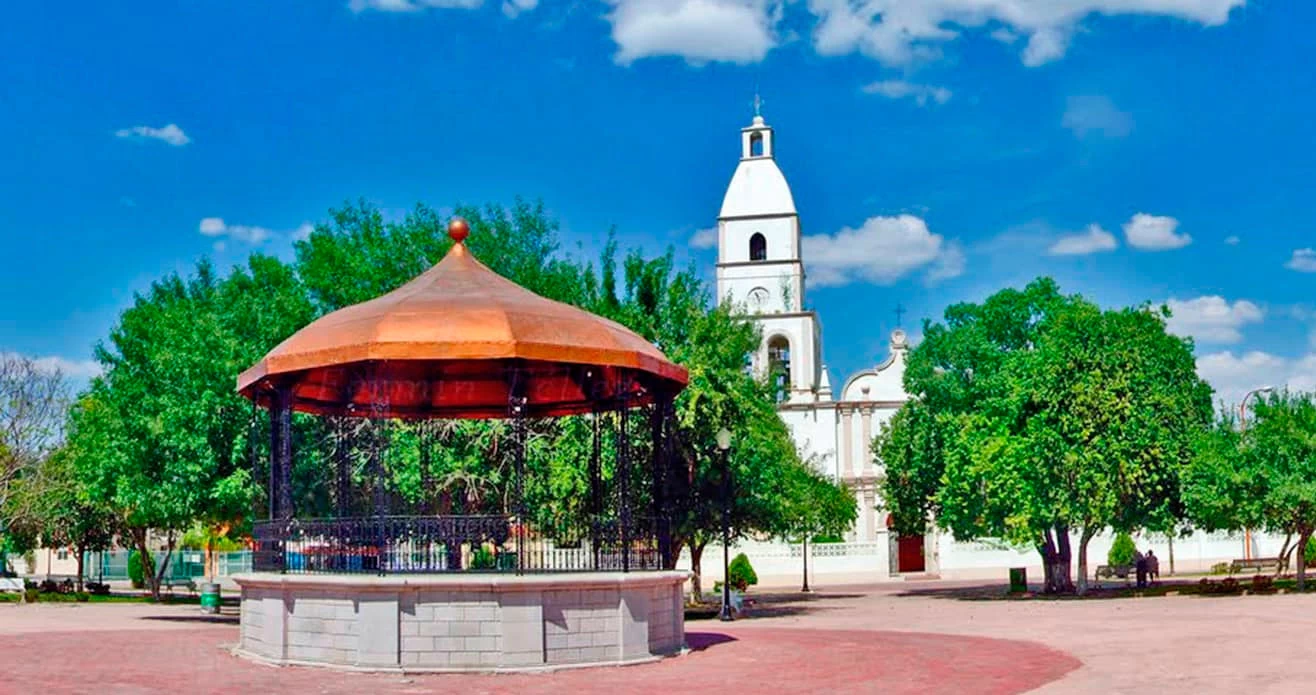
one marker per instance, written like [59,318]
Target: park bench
[1114,571]
[11,584]
[1258,564]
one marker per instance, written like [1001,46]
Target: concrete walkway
[930,637]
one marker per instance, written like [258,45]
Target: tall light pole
[1242,427]
[724,446]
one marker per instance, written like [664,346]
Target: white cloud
[881,251]
[700,31]
[704,238]
[1094,240]
[1085,115]
[170,134]
[900,89]
[900,31]
[1234,375]
[411,5]
[1154,233]
[512,8]
[1232,240]
[1303,261]
[1211,319]
[223,233]
[71,369]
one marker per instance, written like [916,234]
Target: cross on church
[758,104]
[900,311]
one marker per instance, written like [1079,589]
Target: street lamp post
[1242,427]
[724,446]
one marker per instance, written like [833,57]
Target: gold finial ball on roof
[458,230]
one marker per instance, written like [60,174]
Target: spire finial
[458,229]
[758,104]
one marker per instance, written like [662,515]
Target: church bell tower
[760,270]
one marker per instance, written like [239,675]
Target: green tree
[1263,477]
[1041,415]
[1122,551]
[813,505]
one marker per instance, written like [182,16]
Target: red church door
[909,554]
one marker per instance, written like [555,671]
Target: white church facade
[761,268]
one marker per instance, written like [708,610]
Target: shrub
[1121,551]
[1220,568]
[1262,584]
[136,574]
[741,574]
[482,559]
[1310,551]
[1229,585]
[98,588]
[31,595]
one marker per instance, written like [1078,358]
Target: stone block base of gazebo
[465,622]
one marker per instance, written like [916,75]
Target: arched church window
[758,247]
[756,145]
[779,367]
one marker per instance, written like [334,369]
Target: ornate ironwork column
[516,411]
[343,466]
[281,453]
[661,422]
[624,474]
[596,488]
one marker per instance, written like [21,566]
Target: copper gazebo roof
[456,341]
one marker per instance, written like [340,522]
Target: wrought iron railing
[438,544]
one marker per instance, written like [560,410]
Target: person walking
[1140,565]
[1153,566]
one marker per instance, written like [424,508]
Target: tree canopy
[1039,414]
[1261,477]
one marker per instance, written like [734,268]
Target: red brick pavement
[724,658]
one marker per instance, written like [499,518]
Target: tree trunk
[210,559]
[163,569]
[139,539]
[81,554]
[1170,537]
[1302,559]
[1283,563]
[1055,561]
[696,579]
[1083,560]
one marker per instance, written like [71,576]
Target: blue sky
[1136,150]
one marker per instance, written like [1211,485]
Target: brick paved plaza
[894,639]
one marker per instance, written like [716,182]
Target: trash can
[1018,580]
[210,598]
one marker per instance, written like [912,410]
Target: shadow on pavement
[699,641]
[213,619]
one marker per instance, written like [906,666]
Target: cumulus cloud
[700,31]
[216,227]
[72,369]
[1086,115]
[170,134]
[881,251]
[922,94]
[1094,240]
[411,5]
[1154,233]
[900,31]
[1232,375]
[1303,261]
[704,238]
[1232,240]
[512,8]
[1212,319]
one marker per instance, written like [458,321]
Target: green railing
[184,565]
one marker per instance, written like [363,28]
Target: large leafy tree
[163,433]
[1040,416]
[33,402]
[1261,477]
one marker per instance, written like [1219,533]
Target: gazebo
[383,584]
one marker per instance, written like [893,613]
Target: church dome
[758,188]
